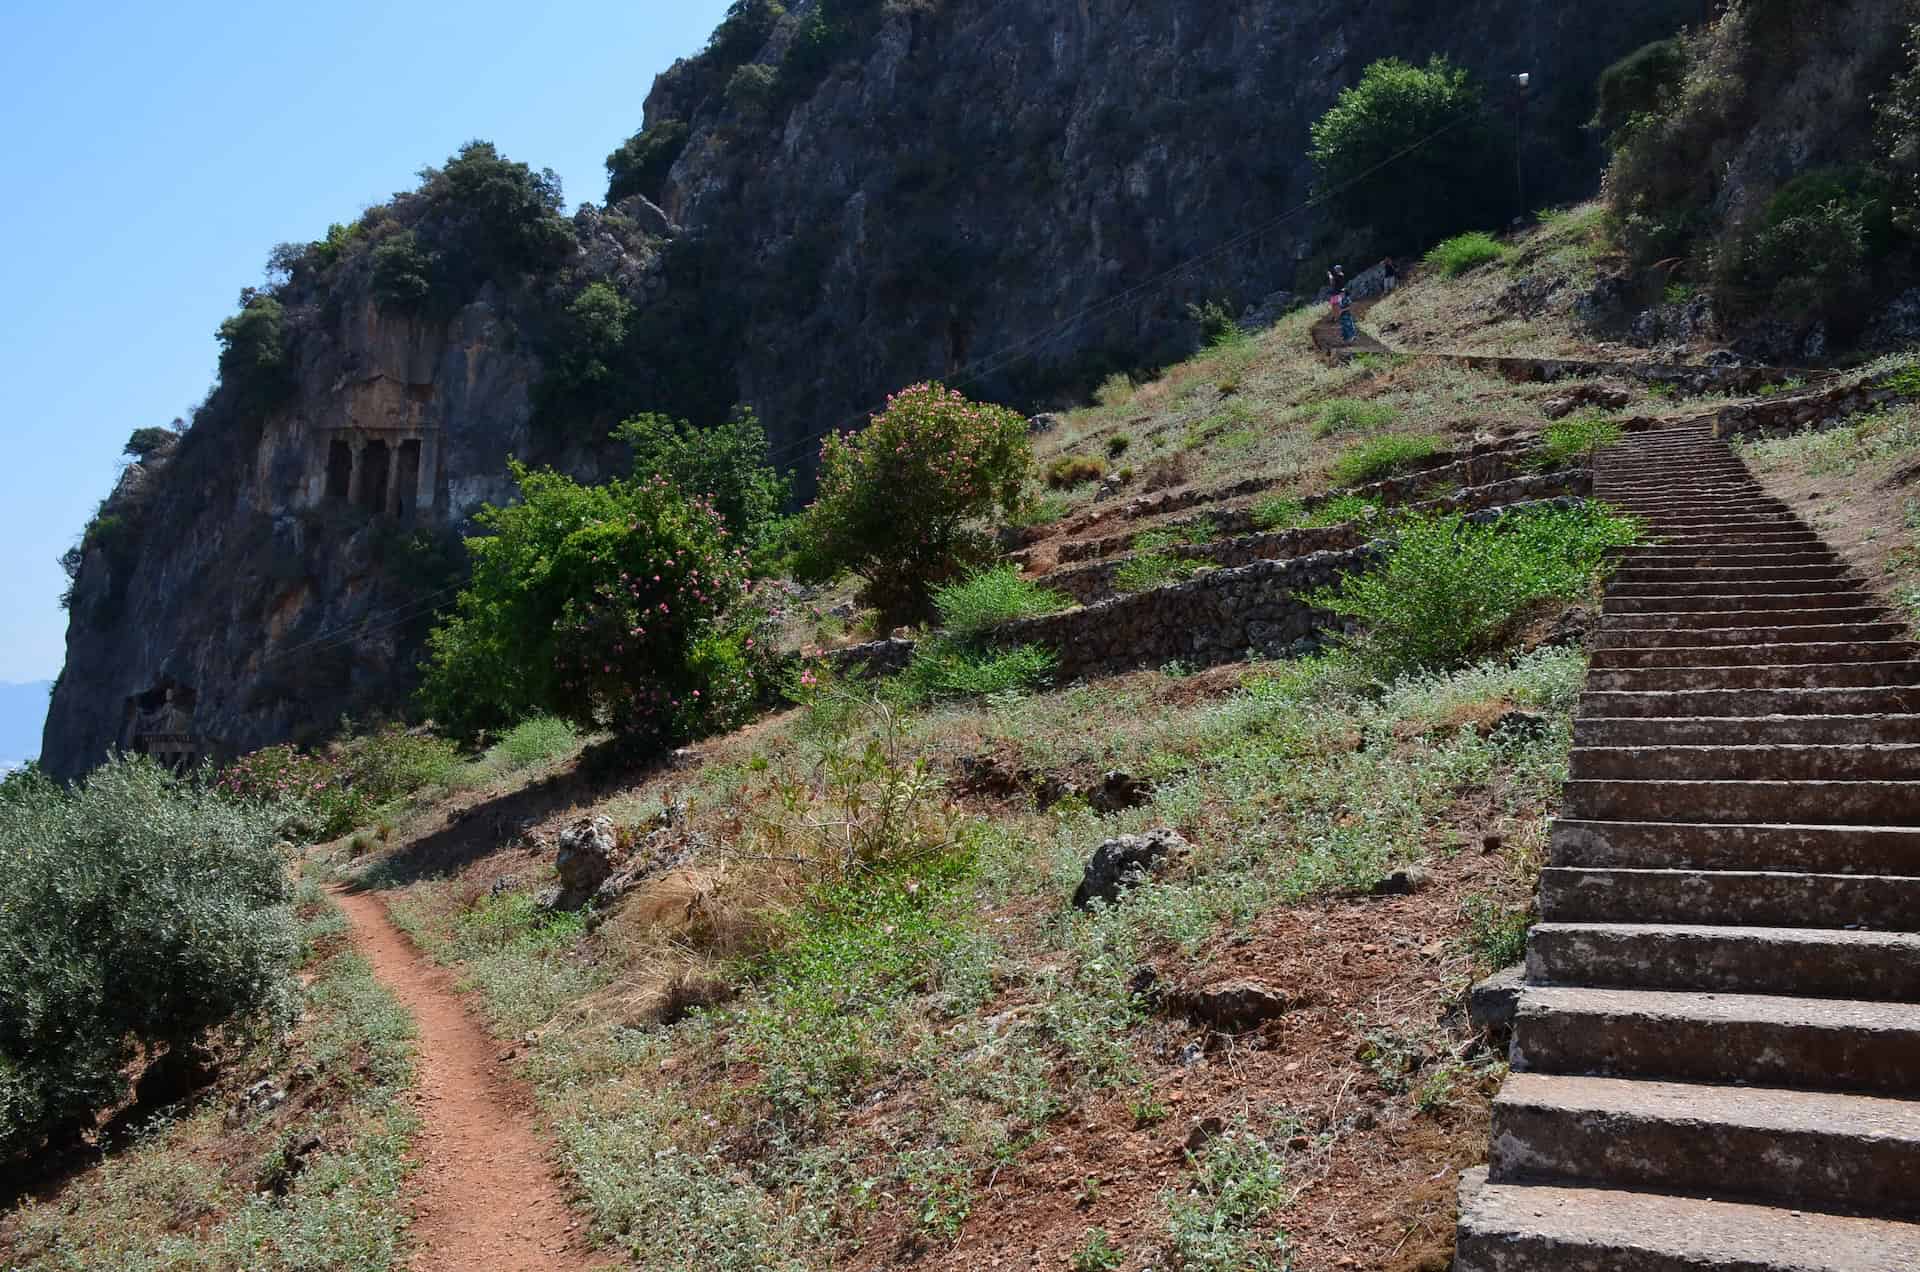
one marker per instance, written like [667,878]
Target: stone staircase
[1716,1052]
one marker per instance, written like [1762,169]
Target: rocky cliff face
[985,178]
[974,189]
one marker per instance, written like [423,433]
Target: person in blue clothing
[1347,329]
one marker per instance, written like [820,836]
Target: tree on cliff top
[1408,184]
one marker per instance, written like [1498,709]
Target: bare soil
[485,1194]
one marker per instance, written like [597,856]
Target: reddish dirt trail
[484,1195]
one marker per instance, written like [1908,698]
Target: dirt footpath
[484,1195]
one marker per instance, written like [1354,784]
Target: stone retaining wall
[1775,417]
[1092,584]
[1687,379]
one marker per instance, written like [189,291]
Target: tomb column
[356,485]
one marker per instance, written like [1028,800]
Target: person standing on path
[1336,280]
[1391,273]
[1347,328]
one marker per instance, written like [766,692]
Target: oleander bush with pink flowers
[906,503]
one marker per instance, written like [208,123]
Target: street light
[1522,84]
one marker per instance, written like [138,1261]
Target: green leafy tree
[1645,81]
[1897,134]
[402,273]
[620,606]
[148,442]
[726,465]
[1416,144]
[255,363]
[901,501]
[641,164]
[137,913]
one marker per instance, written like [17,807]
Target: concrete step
[1856,675]
[1755,654]
[1726,761]
[1833,803]
[1800,962]
[1810,1150]
[1869,850]
[1516,1228]
[1773,541]
[1741,898]
[1666,556]
[1613,637]
[1852,598]
[1815,1044]
[1727,620]
[1815,731]
[1839,583]
[1901,700]
[1700,504]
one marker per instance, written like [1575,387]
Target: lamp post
[1522,84]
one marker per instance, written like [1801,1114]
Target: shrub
[641,164]
[1118,445]
[1352,415]
[1806,264]
[148,442]
[727,465]
[321,800]
[1382,457]
[1897,135]
[393,761]
[588,602]
[943,670]
[255,367]
[1201,531]
[751,89]
[1069,471]
[900,503]
[1451,590]
[992,597]
[1576,437]
[1116,390]
[136,912]
[1462,252]
[1645,81]
[1218,327]
[1377,144]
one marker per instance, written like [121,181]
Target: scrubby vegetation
[1455,256]
[902,501]
[1451,590]
[140,917]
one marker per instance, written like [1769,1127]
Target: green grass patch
[1352,415]
[531,743]
[943,670]
[1451,590]
[1382,457]
[1198,532]
[1455,256]
[991,597]
[1577,437]
[1149,570]
[1070,471]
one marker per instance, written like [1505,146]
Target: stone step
[1817,1044]
[1833,583]
[1852,598]
[1834,803]
[1772,575]
[1754,654]
[1861,675]
[1780,730]
[1662,556]
[1772,541]
[1649,508]
[1800,962]
[1516,1228]
[1625,638]
[1744,523]
[1742,898]
[1727,620]
[1869,850]
[1811,1150]
[1720,762]
[1718,703]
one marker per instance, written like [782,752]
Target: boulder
[1231,1006]
[588,852]
[1403,882]
[1122,863]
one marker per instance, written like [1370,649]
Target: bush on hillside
[1407,183]
[317,791]
[726,464]
[1383,457]
[138,913]
[1069,471]
[1450,590]
[1455,256]
[1897,138]
[641,164]
[991,597]
[255,366]
[1576,438]
[145,443]
[1646,80]
[402,273]
[621,606]
[900,503]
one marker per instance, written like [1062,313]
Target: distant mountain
[23,712]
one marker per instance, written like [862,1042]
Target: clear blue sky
[153,153]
